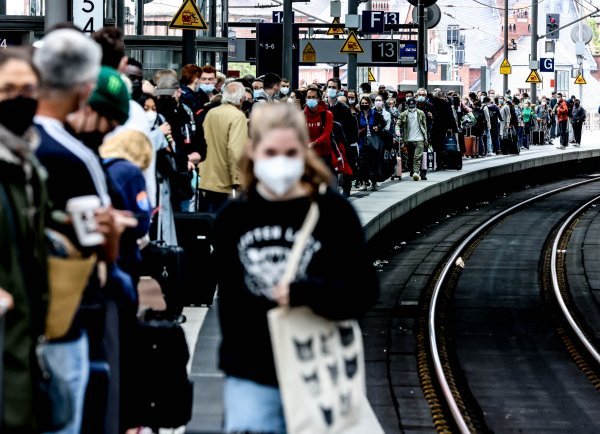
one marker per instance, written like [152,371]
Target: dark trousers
[563,127]
[495,133]
[577,127]
[352,156]
[214,200]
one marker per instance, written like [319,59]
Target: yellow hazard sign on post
[352,45]
[309,55]
[188,17]
[370,77]
[505,68]
[580,79]
[534,77]
[335,31]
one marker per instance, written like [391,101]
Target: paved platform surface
[376,210]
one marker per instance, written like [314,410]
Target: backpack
[468,121]
[339,161]
[494,118]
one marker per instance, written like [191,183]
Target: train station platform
[377,211]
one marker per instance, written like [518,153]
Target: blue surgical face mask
[257,93]
[312,103]
[340,93]
[332,93]
[421,99]
[207,88]
[284,90]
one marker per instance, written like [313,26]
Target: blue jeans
[252,407]
[70,361]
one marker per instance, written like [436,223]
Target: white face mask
[379,105]
[279,174]
[284,90]
[151,116]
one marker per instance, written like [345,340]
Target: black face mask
[17,114]
[364,107]
[246,106]
[136,89]
[92,139]
[166,104]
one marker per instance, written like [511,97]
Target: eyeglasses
[10,91]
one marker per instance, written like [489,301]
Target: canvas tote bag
[319,363]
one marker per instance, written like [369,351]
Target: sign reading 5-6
[88,15]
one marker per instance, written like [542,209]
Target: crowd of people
[96,157]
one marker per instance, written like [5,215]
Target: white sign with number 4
[88,15]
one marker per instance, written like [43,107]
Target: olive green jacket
[22,273]
[402,125]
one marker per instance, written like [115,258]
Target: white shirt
[414,131]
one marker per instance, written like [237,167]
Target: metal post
[505,76]
[139,17]
[580,63]
[534,44]
[188,47]
[421,61]
[2,7]
[120,12]
[224,34]
[288,40]
[352,59]
[212,30]
[58,13]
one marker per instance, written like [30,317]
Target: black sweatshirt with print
[252,239]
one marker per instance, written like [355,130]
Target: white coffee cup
[82,210]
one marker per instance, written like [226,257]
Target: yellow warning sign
[309,55]
[534,77]
[352,45]
[580,79]
[188,17]
[371,77]
[505,67]
[335,31]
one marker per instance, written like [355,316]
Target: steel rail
[555,285]
[450,263]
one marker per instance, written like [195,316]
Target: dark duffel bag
[199,281]
[164,393]
[452,160]
[164,263]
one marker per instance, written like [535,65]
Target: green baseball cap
[110,98]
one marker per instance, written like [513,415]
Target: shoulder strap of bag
[310,221]
[8,211]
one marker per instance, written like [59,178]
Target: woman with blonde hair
[253,236]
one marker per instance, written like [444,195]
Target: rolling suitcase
[164,393]
[471,145]
[537,137]
[193,235]
[453,160]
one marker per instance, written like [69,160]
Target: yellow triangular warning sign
[580,79]
[352,45]
[505,64]
[309,55]
[371,77]
[534,77]
[188,17]
[336,31]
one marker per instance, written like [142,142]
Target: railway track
[446,382]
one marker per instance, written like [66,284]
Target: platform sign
[384,51]
[335,31]
[534,77]
[373,21]
[547,64]
[278,17]
[309,55]
[188,17]
[352,45]
[505,67]
[370,77]
[88,15]
[580,79]
[408,52]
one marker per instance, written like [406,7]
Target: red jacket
[562,111]
[320,134]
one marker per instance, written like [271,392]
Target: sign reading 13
[88,15]
[384,51]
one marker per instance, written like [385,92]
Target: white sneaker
[363,187]
[491,153]
[416,177]
[561,147]
[577,144]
